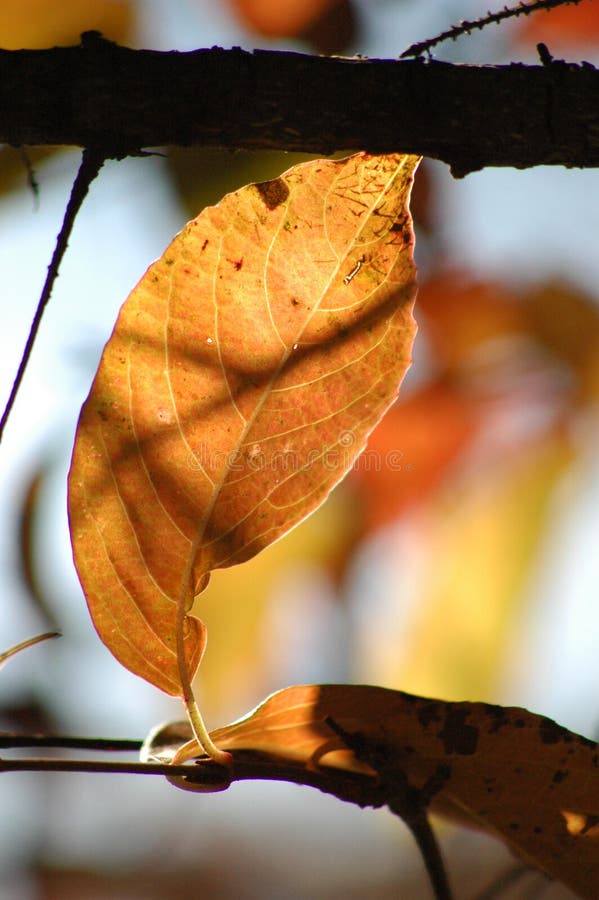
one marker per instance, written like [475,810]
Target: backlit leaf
[243,377]
[517,775]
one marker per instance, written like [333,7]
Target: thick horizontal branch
[120,100]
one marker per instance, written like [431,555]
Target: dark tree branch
[118,101]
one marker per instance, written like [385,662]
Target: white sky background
[500,223]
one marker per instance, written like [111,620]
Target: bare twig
[91,163]
[90,766]
[359,789]
[456,31]
[7,654]
[13,741]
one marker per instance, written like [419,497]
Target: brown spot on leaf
[429,712]
[497,715]
[273,192]
[457,736]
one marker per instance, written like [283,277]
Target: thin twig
[351,787]
[91,163]
[347,786]
[466,27]
[11,741]
[91,766]
[30,642]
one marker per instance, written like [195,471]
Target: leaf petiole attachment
[202,737]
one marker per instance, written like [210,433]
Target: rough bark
[121,100]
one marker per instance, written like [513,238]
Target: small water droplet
[209,340]
[295,347]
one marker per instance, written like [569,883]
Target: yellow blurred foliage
[481,535]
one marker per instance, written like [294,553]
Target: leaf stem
[91,163]
[198,726]
[222,757]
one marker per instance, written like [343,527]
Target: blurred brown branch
[118,101]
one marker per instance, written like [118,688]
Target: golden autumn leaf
[518,775]
[243,377]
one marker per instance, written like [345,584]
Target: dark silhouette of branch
[91,163]
[101,95]
[108,745]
